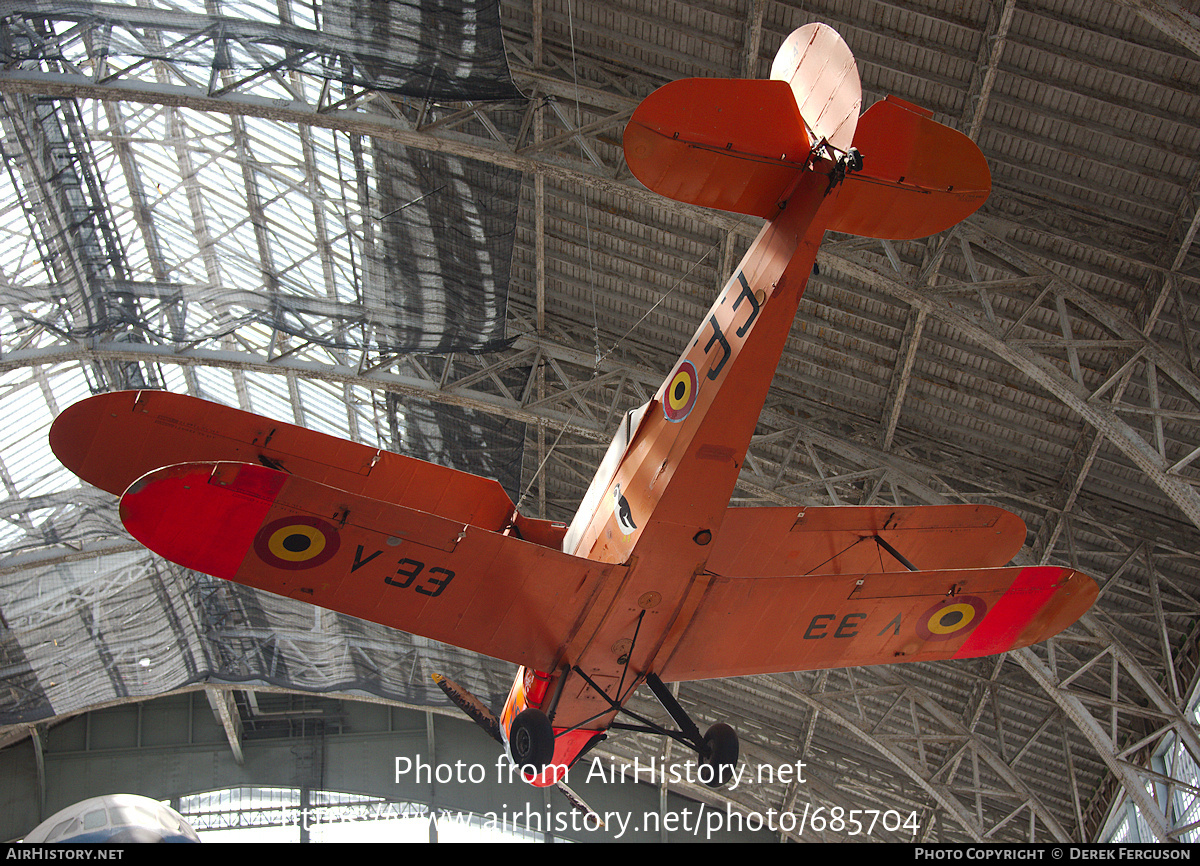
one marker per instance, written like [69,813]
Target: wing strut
[717,748]
[690,737]
[612,704]
[899,557]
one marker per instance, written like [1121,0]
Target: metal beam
[900,760]
[226,711]
[1075,709]
[1043,372]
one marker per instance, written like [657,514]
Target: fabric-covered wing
[763,625]
[777,542]
[111,440]
[730,144]
[400,567]
[919,177]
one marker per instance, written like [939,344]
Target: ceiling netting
[178,230]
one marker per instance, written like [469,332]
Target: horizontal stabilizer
[740,145]
[403,568]
[918,178]
[728,144]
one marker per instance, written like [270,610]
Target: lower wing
[781,542]
[755,625]
[428,575]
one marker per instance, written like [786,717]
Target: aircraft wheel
[719,752]
[531,740]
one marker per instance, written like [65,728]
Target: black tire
[531,741]
[719,754]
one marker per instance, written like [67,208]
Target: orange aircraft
[657,579]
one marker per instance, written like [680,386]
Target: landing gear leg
[717,749]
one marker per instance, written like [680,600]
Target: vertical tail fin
[823,76]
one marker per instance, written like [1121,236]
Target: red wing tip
[1043,602]
[74,430]
[202,516]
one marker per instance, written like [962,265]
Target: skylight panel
[324,407]
[269,396]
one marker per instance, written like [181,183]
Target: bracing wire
[679,282]
[587,223]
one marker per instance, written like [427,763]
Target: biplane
[657,579]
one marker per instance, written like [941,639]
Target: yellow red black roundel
[950,617]
[296,542]
[681,392]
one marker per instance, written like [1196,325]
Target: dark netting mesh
[133,626]
[459,236]
[417,249]
[437,49]
[459,53]
[437,255]
[23,698]
[460,438]
[414,248]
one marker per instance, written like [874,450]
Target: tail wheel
[531,740]
[718,753]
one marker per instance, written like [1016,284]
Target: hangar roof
[411,224]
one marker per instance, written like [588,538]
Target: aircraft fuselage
[663,504]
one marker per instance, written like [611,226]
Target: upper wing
[776,542]
[401,567]
[111,440]
[762,625]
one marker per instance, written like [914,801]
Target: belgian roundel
[950,617]
[681,392]
[296,542]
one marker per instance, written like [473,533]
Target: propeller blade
[578,804]
[470,705]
